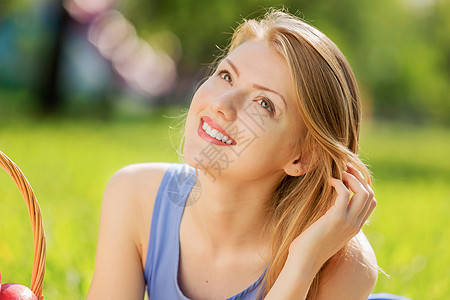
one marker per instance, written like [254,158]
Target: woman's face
[243,120]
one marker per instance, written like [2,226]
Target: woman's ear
[303,162]
[297,167]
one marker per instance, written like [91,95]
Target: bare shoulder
[352,275]
[124,226]
[134,187]
[133,190]
[138,180]
[137,184]
[140,173]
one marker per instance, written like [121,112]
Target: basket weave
[37,276]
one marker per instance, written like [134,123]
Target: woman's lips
[213,133]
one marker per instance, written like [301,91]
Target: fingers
[373,204]
[361,179]
[362,203]
[359,200]
[370,202]
[357,174]
[343,194]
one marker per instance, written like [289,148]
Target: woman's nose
[226,105]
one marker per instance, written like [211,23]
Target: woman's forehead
[260,62]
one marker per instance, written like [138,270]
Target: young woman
[273,196]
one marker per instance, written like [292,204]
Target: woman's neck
[230,215]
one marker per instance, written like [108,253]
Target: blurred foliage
[400,50]
[9,6]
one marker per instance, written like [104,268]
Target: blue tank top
[161,266]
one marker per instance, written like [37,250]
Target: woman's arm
[125,221]
[326,237]
[118,269]
[351,275]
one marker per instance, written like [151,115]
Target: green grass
[410,227]
[69,162]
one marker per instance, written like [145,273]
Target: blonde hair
[330,107]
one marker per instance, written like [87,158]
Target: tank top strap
[163,248]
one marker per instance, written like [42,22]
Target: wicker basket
[37,276]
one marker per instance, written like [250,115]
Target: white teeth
[215,133]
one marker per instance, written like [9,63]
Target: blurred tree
[48,87]
[40,48]
[12,6]
[398,49]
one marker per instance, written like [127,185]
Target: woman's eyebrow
[233,66]
[260,87]
[256,86]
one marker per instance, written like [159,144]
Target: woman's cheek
[204,94]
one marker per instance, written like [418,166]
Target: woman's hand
[325,237]
[339,224]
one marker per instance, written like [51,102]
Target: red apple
[14,291]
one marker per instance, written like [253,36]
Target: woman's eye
[266,104]
[225,75]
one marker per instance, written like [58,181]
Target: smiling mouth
[214,131]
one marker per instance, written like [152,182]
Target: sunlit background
[89,86]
